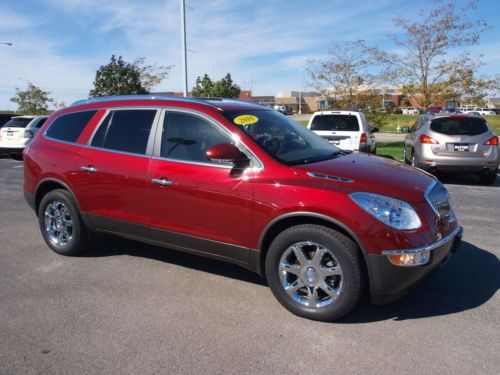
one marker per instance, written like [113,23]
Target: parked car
[347,130]
[410,111]
[482,111]
[435,109]
[283,108]
[16,133]
[240,183]
[461,143]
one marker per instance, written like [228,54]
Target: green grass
[392,150]
[391,122]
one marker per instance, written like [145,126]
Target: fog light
[411,259]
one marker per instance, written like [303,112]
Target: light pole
[213,69]
[300,91]
[184,50]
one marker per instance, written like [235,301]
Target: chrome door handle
[89,169]
[161,181]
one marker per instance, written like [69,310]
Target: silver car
[460,143]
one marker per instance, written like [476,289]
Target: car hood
[370,173]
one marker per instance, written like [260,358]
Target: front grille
[438,197]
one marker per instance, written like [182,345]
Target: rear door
[112,176]
[341,130]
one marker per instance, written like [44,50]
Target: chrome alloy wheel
[58,223]
[310,274]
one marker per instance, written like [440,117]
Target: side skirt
[242,256]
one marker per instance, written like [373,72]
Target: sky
[264,44]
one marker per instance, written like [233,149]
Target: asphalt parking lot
[126,307]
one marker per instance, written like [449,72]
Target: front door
[197,205]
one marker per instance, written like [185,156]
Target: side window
[69,127]
[125,130]
[40,123]
[187,137]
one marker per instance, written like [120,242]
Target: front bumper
[389,282]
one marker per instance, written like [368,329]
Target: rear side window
[335,122]
[125,130]
[459,126]
[69,127]
[17,123]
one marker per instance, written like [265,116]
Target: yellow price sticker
[246,120]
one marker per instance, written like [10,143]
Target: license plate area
[335,140]
[461,147]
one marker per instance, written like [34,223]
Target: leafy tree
[117,78]
[151,75]
[32,101]
[341,75]
[424,64]
[224,88]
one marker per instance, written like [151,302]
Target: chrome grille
[439,199]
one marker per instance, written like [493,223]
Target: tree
[425,65]
[225,88]
[151,75]
[117,78]
[343,73]
[32,101]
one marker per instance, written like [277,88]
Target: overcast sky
[59,44]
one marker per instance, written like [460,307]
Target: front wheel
[315,272]
[60,223]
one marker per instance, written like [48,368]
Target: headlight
[393,212]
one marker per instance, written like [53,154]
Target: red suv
[240,183]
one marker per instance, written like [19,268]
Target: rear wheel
[60,223]
[314,272]
[488,178]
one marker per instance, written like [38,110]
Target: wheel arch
[47,185]
[280,223]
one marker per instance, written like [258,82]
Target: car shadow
[108,245]
[468,280]
[464,179]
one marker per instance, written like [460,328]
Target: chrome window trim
[158,136]
[455,232]
[106,113]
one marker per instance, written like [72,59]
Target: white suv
[348,130]
[16,133]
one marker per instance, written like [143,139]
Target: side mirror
[226,153]
[405,129]
[375,130]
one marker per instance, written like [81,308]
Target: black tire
[79,239]
[405,158]
[488,178]
[346,255]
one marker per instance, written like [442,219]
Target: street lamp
[184,50]
[213,69]
[7,43]
[300,91]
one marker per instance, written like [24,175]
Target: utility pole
[300,91]
[184,49]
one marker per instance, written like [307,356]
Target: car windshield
[335,122]
[283,139]
[21,122]
[459,126]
